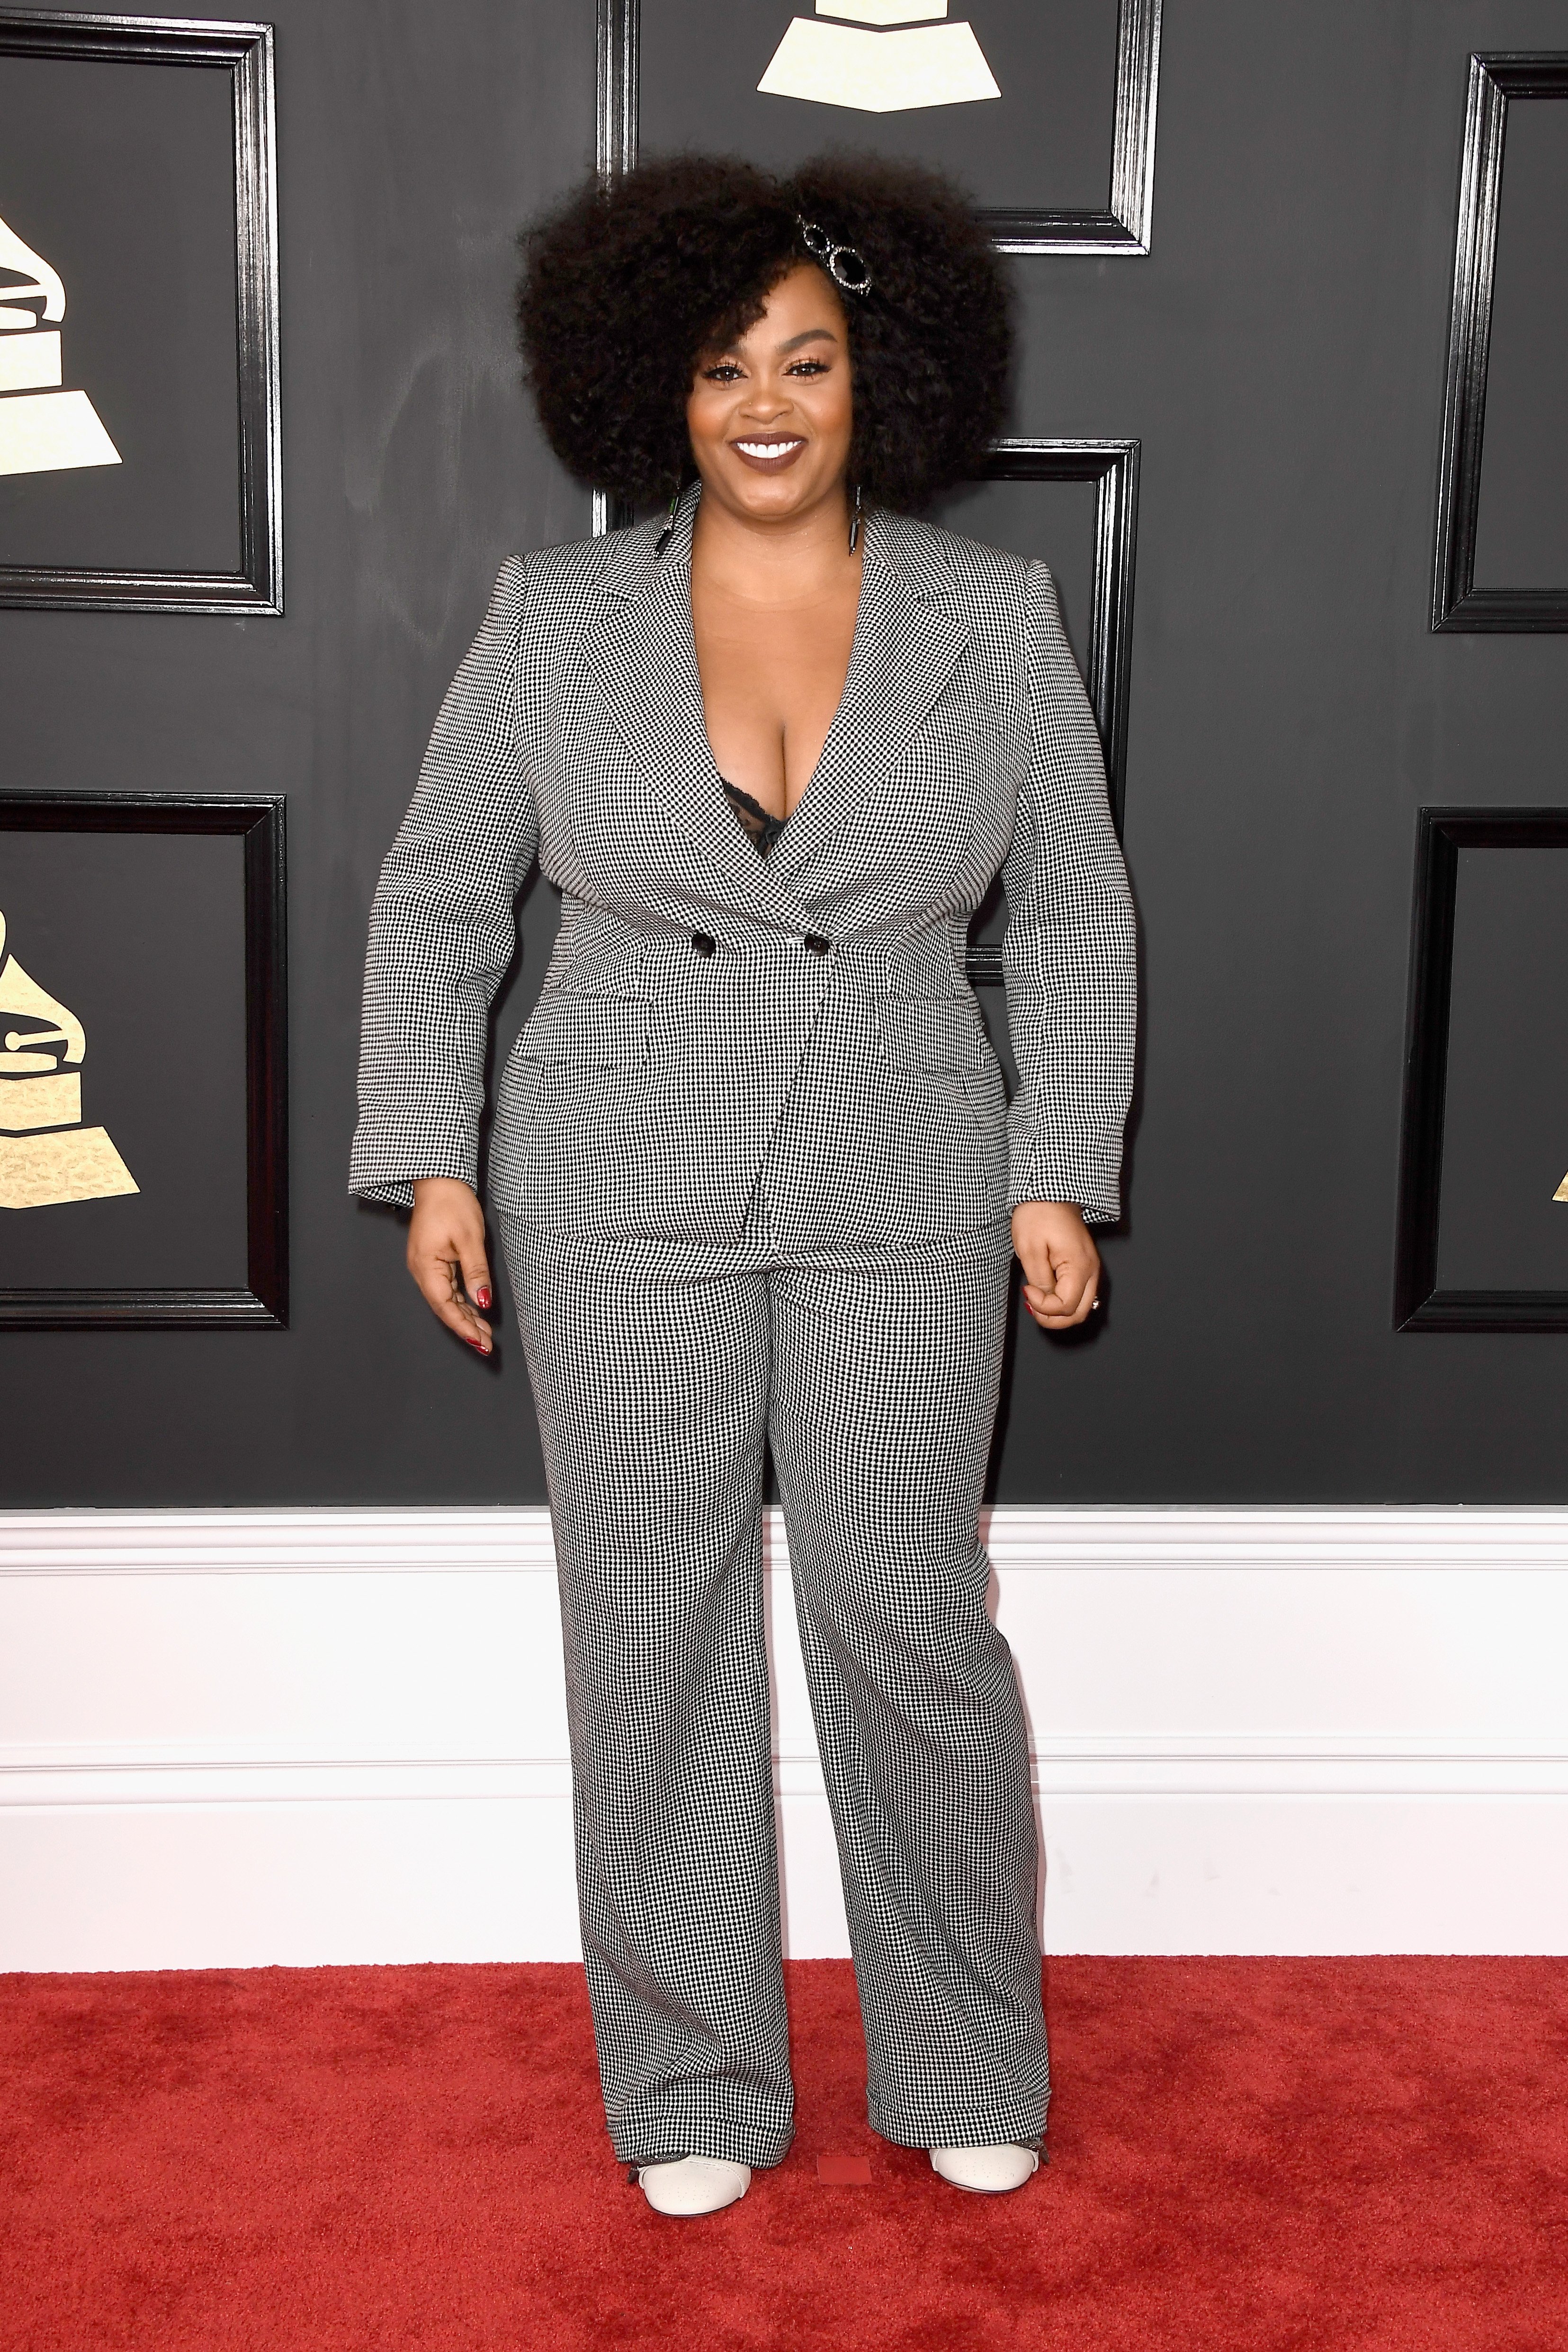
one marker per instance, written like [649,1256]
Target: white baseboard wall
[236,1739]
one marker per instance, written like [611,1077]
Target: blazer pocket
[940,1034]
[598,965]
[591,1032]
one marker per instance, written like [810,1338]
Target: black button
[703,944]
[818,945]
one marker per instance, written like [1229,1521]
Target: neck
[769,561]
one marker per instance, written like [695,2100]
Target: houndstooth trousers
[660,1371]
[772,1070]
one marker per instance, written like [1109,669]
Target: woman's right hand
[447,1257]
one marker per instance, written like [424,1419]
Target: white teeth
[767,448]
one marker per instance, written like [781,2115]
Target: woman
[751,1163]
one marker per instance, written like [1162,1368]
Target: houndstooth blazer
[708,1015]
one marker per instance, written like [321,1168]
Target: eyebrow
[812,335]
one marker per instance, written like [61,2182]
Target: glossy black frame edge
[259,820]
[1418,1304]
[1112,466]
[246,49]
[1124,228]
[1495,77]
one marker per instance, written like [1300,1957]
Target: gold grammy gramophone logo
[43,429]
[890,57]
[46,1155]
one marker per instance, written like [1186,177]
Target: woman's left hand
[1061,1263]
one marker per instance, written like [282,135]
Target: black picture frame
[247,52]
[1113,467]
[1125,227]
[263,1303]
[1496,79]
[1418,1304]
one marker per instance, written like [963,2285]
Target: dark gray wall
[1280,355]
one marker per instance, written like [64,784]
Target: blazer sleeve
[1070,950]
[444,926]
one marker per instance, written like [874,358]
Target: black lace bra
[763,828]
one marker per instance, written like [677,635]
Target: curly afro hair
[628,284]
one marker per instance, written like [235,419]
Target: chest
[772,679]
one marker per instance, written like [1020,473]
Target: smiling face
[771,416]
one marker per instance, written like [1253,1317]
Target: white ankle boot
[693,2184]
[990,2171]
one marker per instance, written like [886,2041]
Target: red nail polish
[481,1296]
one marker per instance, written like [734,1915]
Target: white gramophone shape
[42,430]
[46,1155]
[910,59]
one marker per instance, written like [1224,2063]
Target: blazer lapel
[642,656]
[906,646]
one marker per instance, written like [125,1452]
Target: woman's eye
[726,373]
[808,367]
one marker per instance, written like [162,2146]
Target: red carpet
[1248,2155]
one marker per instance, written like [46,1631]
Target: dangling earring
[855,522]
[664,539]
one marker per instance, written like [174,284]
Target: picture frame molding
[262,1302]
[1496,79]
[1112,466]
[1418,1304]
[246,51]
[1124,228]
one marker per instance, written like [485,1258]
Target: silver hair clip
[844,264]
